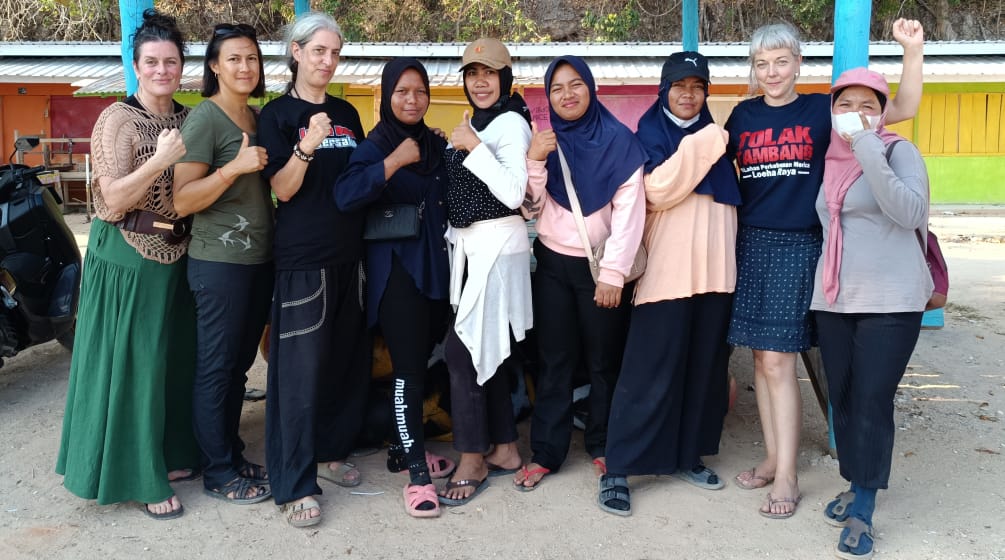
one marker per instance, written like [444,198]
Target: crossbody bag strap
[577,212]
[917,232]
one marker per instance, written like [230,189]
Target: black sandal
[614,495]
[243,490]
[254,473]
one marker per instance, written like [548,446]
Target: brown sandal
[753,480]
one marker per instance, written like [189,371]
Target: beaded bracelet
[299,154]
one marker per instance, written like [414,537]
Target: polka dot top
[469,200]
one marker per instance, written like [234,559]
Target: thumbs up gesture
[249,158]
[464,137]
[542,143]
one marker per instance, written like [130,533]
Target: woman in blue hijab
[581,323]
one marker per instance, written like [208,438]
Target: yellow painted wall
[445,109]
[961,124]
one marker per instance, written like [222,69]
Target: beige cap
[487,51]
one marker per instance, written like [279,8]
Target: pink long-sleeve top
[690,238]
[621,223]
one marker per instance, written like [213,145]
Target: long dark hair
[222,32]
[157,27]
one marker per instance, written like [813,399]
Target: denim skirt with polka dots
[774,286]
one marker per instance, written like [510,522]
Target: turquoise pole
[851,50]
[131,15]
[301,6]
[851,35]
[689,25]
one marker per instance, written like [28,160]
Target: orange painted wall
[28,115]
[25,108]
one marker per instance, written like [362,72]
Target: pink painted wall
[627,103]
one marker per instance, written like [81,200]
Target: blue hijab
[661,136]
[602,153]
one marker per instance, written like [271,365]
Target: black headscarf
[481,118]
[661,137]
[391,132]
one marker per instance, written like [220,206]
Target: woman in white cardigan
[490,268]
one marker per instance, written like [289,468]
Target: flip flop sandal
[614,489]
[771,501]
[478,485]
[526,476]
[193,474]
[415,495]
[291,510]
[340,475]
[753,480]
[496,470]
[600,465]
[837,511]
[243,491]
[853,537]
[173,514]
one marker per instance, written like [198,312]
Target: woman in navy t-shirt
[779,140]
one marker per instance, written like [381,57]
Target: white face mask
[850,123]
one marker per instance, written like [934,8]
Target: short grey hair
[301,31]
[771,37]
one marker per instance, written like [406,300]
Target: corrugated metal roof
[57,70]
[612,64]
[607,71]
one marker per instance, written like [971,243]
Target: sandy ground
[946,500]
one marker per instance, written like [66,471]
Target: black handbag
[392,221]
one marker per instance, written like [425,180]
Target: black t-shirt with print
[310,229]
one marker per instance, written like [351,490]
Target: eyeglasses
[238,29]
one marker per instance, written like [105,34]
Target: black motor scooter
[39,264]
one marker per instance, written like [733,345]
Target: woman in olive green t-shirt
[230,256]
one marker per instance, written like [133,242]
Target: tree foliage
[510,20]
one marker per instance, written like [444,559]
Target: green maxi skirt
[128,414]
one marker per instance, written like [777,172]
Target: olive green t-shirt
[237,228]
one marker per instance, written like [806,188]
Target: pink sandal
[434,463]
[415,495]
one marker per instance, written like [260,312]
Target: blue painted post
[131,15]
[689,25]
[851,50]
[851,35]
[301,7]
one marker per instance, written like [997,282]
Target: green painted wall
[967,179]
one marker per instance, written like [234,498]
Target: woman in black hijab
[401,163]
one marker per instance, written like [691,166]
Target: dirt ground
[946,497]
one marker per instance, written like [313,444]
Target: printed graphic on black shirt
[338,137]
[771,153]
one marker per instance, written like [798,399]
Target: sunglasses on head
[241,29]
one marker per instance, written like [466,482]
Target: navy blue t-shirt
[780,152]
[310,229]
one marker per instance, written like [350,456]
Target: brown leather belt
[144,221]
